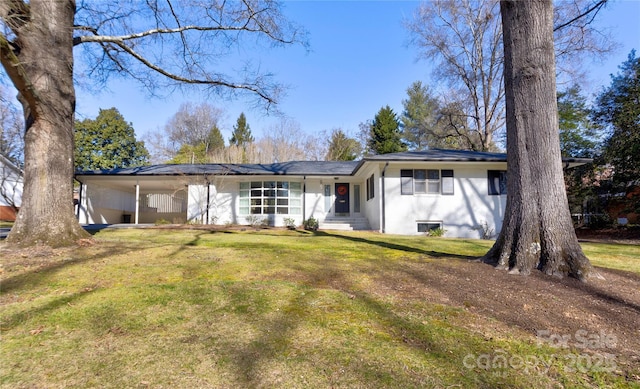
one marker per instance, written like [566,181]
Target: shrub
[486,232]
[436,232]
[290,223]
[311,224]
[253,220]
[161,222]
[600,221]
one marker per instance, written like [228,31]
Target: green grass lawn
[271,308]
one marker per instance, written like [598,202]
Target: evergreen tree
[420,118]
[385,134]
[108,142]
[618,112]
[241,132]
[214,141]
[342,147]
[578,137]
[190,154]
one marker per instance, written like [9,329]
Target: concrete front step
[345,224]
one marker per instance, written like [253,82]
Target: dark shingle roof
[301,168]
[310,168]
[440,155]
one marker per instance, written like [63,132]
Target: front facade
[402,193]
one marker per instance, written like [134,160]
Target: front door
[342,199]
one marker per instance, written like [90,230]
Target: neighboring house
[402,193]
[11,184]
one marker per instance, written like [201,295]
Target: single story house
[11,185]
[400,193]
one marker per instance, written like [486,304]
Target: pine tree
[385,134]
[578,137]
[420,118]
[214,140]
[241,132]
[618,111]
[342,147]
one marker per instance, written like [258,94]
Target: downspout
[304,197]
[208,199]
[382,199]
[79,199]
[136,219]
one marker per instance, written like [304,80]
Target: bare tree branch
[595,9]
[178,30]
[183,42]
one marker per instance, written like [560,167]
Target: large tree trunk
[537,231]
[43,76]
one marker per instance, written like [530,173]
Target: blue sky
[359,62]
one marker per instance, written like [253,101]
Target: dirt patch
[600,316]
[614,235]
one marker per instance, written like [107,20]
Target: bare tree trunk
[537,231]
[47,94]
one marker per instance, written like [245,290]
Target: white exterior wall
[224,204]
[460,213]
[371,209]
[197,203]
[314,200]
[103,205]
[225,208]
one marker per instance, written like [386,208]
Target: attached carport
[131,199]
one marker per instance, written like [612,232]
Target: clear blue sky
[358,63]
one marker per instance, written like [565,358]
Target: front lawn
[276,308]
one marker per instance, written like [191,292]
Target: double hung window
[426,181]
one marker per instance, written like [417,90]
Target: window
[406,182]
[356,198]
[426,181]
[327,198]
[428,226]
[270,198]
[447,182]
[370,188]
[433,181]
[497,180]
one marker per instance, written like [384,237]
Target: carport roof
[299,168]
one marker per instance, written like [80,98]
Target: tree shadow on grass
[20,317]
[276,335]
[44,269]
[395,246]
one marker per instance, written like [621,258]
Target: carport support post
[137,201]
